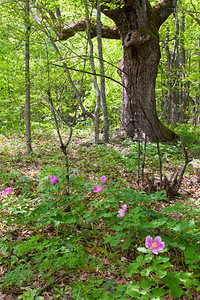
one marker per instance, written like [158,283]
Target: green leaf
[113,240]
[143,249]
[145,283]
[133,290]
[148,258]
[126,244]
[133,268]
[158,292]
[143,297]
[161,273]
[147,271]
[161,259]
[139,259]
[186,278]
[174,286]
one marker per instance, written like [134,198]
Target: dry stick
[160,162]
[174,175]
[173,184]
[144,156]
[187,160]
[138,166]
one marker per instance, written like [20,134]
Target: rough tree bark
[137,25]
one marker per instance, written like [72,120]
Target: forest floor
[59,246]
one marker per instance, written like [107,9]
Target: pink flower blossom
[53,179]
[77,116]
[98,189]
[128,152]
[7,191]
[103,179]
[155,245]
[122,211]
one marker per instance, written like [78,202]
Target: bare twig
[143,159]
[160,162]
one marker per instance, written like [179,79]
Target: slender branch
[144,156]
[187,160]
[91,73]
[193,16]
[160,162]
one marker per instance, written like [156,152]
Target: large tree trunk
[138,26]
[139,71]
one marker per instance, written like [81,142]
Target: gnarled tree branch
[164,9]
[109,32]
[64,32]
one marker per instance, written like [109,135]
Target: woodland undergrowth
[90,243]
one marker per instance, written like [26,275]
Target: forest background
[64,239]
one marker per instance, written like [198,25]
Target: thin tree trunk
[167,111]
[27,77]
[175,63]
[198,101]
[184,86]
[101,67]
[97,91]
[197,106]
[171,106]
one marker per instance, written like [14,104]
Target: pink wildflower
[98,189]
[7,191]
[122,211]
[53,179]
[77,116]
[155,245]
[128,152]
[103,179]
